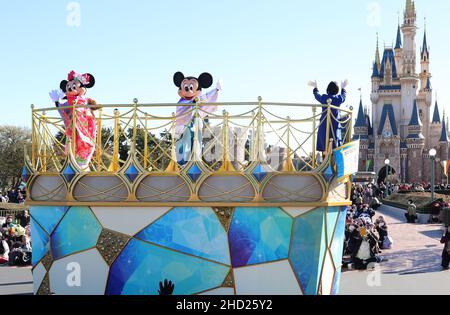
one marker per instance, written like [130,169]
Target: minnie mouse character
[337,101]
[73,90]
[190,88]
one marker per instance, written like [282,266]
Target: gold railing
[229,140]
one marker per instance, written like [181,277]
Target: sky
[257,47]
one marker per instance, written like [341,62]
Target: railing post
[99,150]
[115,160]
[196,146]
[44,138]
[288,165]
[145,142]
[33,138]
[259,132]
[314,135]
[226,163]
[133,142]
[74,127]
[349,126]
[328,125]
[252,145]
[173,164]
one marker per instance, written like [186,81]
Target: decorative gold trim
[110,244]
[187,204]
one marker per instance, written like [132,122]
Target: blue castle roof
[415,120]
[361,119]
[444,135]
[425,46]
[388,55]
[428,87]
[436,115]
[375,72]
[398,43]
[388,113]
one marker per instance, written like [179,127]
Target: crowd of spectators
[15,241]
[366,234]
[13,196]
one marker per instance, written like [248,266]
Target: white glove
[313,84]
[56,95]
[219,85]
[344,84]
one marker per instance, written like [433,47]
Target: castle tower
[415,144]
[376,70]
[403,128]
[399,51]
[408,77]
[425,92]
[443,152]
[435,127]
[361,132]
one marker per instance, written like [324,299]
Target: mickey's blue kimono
[334,131]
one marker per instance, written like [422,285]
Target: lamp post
[388,169]
[432,154]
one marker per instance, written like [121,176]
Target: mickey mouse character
[74,91]
[336,100]
[190,88]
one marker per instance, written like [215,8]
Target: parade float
[253,209]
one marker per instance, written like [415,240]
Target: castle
[401,128]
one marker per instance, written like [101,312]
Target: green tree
[13,141]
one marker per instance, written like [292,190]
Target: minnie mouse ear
[205,80]
[91,81]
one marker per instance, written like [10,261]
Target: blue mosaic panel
[131,173]
[78,230]
[194,173]
[328,174]
[196,231]
[336,283]
[25,174]
[337,245]
[332,216]
[141,266]
[47,217]
[69,173]
[308,249]
[40,242]
[259,173]
[259,235]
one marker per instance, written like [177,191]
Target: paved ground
[413,266]
[15,280]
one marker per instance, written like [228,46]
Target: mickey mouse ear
[206,80]
[178,77]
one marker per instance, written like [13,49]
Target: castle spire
[444,135]
[361,119]
[410,13]
[377,54]
[425,51]
[415,119]
[410,8]
[436,115]
[398,42]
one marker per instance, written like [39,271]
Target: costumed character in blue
[190,88]
[336,100]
